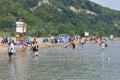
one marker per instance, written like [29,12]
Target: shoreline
[20,49]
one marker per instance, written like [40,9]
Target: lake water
[88,63]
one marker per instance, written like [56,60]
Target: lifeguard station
[21,29]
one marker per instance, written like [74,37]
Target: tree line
[57,17]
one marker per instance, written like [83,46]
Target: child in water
[103,45]
[35,50]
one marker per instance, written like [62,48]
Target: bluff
[53,17]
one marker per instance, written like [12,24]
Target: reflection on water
[12,71]
[88,63]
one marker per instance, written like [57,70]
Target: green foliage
[56,17]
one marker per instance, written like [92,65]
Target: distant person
[6,40]
[65,45]
[73,45]
[82,43]
[35,50]
[103,45]
[2,42]
[34,41]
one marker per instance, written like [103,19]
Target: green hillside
[53,17]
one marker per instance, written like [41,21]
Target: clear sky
[113,4]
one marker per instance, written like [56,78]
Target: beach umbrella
[64,35]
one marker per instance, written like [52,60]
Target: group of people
[81,41]
[32,46]
[5,40]
[69,43]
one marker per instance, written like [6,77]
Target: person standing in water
[10,50]
[103,45]
[73,45]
